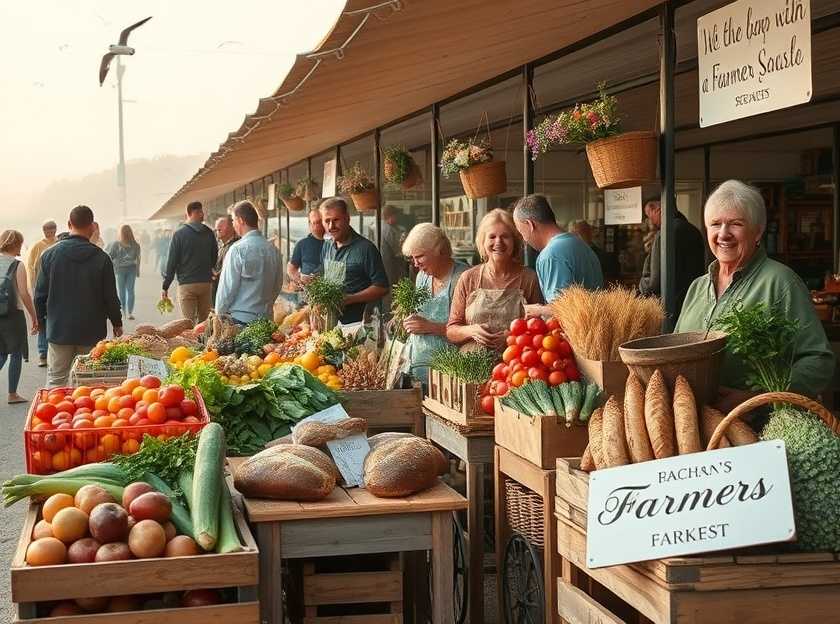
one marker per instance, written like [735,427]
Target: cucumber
[228,541]
[185,483]
[208,482]
[180,516]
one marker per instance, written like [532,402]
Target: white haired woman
[735,218]
[431,253]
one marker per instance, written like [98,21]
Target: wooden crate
[610,376]
[81,373]
[455,400]
[32,585]
[748,586]
[539,439]
[387,410]
[369,594]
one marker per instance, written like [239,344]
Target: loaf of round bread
[287,472]
[314,433]
[403,466]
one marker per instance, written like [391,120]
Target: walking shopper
[306,256]
[227,237]
[192,256]
[365,279]
[75,296]
[125,254]
[250,280]
[33,265]
[564,258]
[14,298]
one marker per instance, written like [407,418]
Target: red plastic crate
[92,444]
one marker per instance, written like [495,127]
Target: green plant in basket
[356,180]
[285,190]
[397,164]
[472,367]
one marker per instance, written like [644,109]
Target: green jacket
[764,280]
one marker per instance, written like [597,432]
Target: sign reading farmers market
[715,500]
[753,56]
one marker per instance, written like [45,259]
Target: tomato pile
[83,425]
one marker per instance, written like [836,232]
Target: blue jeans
[125,288]
[15,365]
[42,341]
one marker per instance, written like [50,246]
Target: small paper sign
[332,414]
[349,455]
[623,206]
[139,366]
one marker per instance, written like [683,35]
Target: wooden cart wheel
[461,585]
[523,598]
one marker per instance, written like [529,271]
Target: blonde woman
[491,295]
[125,254]
[14,298]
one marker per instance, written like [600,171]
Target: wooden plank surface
[539,439]
[443,602]
[372,618]
[575,607]
[523,471]
[352,588]
[759,606]
[386,410]
[472,447]
[241,613]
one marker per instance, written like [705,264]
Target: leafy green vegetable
[325,293]
[117,355]
[764,337]
[165,459]
[471,367]
[406,299]
[165,306]
[207,379]
[254,336]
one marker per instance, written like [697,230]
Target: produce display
[574,401]
[68,427]
[537,350]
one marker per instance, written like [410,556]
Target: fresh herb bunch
[325,294]
[764,338]
[471,367]
[406,299]
[165,306]
[285,190]
[398,163]
[459,155]
[165,459]
[254,336]
[356,180]
[117,354]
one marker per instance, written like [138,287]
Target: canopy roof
[379,65]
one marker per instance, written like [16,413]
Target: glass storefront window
[360,151]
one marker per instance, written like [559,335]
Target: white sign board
[623,206]
[702,502]
[348,453]
[753,56]
[139,366]
[272,196]
[328,187]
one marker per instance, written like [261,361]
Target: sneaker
[42,361]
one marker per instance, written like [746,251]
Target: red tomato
[125,413]
[510,353]
[500,372]
[171,396]
[140,404]
[191,419]
[174,413]
[488,404]
[555,378]
[536,325]
[500,388]
[552,324]
[156,413]
[190,407]
[82,410]
[537,341]
[548,358]
[550,343]
[572,373]
[97,413]
[516,367]
[559,365]
[518,378]
[564,349]
[530,358]
[83,401]
[65,406]
[523,340]
[150,381]
[45,411]
[510,340]
[537,372]
[518,327]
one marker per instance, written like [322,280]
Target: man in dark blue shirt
[306,257]
[365,279]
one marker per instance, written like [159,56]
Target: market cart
[352,521]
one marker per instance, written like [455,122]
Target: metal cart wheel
[461,585]
[523,598]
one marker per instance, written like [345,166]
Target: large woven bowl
[623,160]
[485,179]
[694,355]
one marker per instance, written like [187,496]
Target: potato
[181,546]
[147,539]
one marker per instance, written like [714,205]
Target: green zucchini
[208,480]
[180,516]
[228,541]
[185,483]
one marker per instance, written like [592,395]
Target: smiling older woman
[735,218]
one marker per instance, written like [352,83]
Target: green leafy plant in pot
[361,188]
[292,202]
[399,167]
[307,189]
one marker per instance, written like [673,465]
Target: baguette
[709,421]
[738,433]
[659,417]
[587,464]
[686,422]
[595,438]
[613,438]
[635,430]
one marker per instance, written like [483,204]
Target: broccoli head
[813,453]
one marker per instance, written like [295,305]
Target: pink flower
[594,118]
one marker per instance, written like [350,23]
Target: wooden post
[667,164]
[443,604]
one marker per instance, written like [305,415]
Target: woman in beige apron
[494,308]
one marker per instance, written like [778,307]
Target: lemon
[310,361]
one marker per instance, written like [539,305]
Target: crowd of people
[71,288]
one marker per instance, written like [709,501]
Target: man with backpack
[192,256]
[75,295]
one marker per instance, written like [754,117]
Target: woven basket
[766,399]
[366,201]
[485,179]
[413,178]
[525,512]
[310,192]
[623,160]
[294,203]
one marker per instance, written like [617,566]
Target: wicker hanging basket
[485,179]
[413,178]
[623,160]
[366,201]
[294,203]
[766,399]
[310,192]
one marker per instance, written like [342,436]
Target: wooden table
[349,522]
[476,451]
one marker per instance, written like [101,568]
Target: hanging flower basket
[307,189]
[399,167]
[294,203]
[365,201]
[623,160]
[485,179]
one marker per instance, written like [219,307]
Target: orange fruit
[156,413]
[104,421]
[310,360]
[110,393]
[150,396]
[94,454]
[100,403]
[97,392]
[130,446]
[114,405]
[125,413]
[61,461]
[272,358]
[35,422]
[75,457]
[111,443]
[120,422]
[130,384]
[126,401]
[137,393]
[81,391]
[56,503]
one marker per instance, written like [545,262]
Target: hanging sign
[753,56]
[695,503]
[623,206]
[328,189]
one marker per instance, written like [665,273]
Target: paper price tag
[349,455]
[139,366]
[332,414]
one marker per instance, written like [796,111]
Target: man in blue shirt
[306,257]
[250,279]
[564,258]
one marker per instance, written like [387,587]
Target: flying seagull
[121,48]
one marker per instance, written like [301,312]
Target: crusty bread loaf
[403,466]
[388,436]
[314,433]
[287,472]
